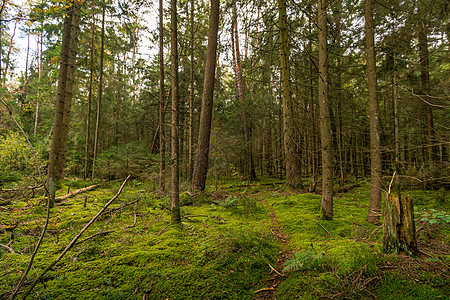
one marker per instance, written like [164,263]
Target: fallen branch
[125,205]
[275,270]
[433,257]
[265,290]
[74,240]
[76,192]
[94,235]
[162,230]
[8,248]
[26,187]
[322,227]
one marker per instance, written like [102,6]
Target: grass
[223,248]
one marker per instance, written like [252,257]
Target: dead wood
[76,192]
[74,240]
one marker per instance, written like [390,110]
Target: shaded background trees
[411,48]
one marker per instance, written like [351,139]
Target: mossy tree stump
[399,230]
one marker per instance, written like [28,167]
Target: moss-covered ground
[230,240]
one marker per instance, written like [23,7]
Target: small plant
[306,261]
[434,216]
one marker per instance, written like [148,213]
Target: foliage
[122,160]
[16,158]
[306,261]
[433,216]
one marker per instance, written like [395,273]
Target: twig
[322,227]
[134,223]
[94,235]
[162,230]
[392,180]
[427,254]
[26,187]
[8,248]
[120,207]
[265,290]
[275,270]
[74,240]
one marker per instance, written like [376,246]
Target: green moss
[222,250]
[395,288]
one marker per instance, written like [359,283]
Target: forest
[224,149]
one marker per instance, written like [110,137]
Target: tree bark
[399,229]
[191,100]
[100,93]
[162,110]
[202,155]
[375,155]
[174,164]
[247,159]
[325,124]
[293,173]
[425,81]
[38,103]
[63,101]
[88,117]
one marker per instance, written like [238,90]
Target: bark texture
[293,173]
[100,94]
[162,111]
[63,103]
[375,154]
[202,155]
[174,164]
[324,109]
[399,229]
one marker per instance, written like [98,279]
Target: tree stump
[399,230]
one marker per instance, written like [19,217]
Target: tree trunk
[399,230]
[174,195]
[293,173]
[63,101]
[100,93]
[162,111]
[249,169]
[38,103]
[425,80]
[375,155]
[88,117]
[202,156]
[191,100]
[325,124]
[9,52]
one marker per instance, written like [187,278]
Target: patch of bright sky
[146,16]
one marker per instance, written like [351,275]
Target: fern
[306,261]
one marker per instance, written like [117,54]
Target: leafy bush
[16,157]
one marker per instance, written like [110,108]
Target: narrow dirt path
[270,291]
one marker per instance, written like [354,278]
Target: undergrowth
[223,248]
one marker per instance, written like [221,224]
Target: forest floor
[237,241]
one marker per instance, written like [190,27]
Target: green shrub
[16,157]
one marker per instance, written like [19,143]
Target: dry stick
[275,270]
[125,205]
[94,235]
[74,240]
[8,248]
[265,290]
[322,227]
[76,192]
